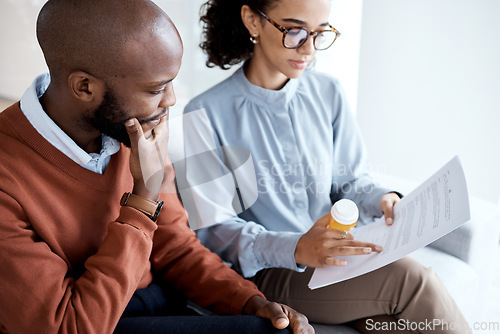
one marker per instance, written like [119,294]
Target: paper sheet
[435,208]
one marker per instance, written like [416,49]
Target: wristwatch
[148,207]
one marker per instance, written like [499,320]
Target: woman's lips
[298,64]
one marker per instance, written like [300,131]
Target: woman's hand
[387,206]
[319,246]
[280,315]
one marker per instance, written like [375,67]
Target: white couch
[463,259]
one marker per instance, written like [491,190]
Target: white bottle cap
[345,212]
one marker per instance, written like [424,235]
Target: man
[86,245]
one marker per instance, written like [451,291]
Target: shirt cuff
[277,250]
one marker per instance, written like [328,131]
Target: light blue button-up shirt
[307,151]
[32,109]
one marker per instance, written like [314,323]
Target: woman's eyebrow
[302,22]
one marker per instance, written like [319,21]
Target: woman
[308,153]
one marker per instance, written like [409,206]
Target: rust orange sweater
[71,257]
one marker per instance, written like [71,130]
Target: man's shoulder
[14,152]
[15,107]
[8,118]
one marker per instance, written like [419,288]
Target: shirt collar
[268,97]
[32,109]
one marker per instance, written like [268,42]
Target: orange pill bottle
[344,215]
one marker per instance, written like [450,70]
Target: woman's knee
[418,285]
[408,272]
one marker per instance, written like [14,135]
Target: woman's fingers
[341,235]
[334,244]
[348,248]
[331,261]
[387,206]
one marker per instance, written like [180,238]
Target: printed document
[435,208]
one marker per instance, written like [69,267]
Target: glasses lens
[295,37]
[324,39]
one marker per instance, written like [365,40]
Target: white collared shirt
[32,109]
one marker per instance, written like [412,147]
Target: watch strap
[148,207]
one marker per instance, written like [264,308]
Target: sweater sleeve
[37,293]
[184,262]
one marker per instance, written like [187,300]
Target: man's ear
[85,87]
[251,20]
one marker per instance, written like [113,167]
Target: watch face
[158,209]
[124,199]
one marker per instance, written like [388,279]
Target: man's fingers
[162,124]
[278,317]
[134,131]
[298,322]
[281,323]
[152,128]
[280,320]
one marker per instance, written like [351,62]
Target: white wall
[194,77]
[341,60]
[21,58]
[428,88]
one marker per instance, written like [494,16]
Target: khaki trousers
[402,297]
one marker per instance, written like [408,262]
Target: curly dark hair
[225,38]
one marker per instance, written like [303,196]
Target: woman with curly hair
[308,153]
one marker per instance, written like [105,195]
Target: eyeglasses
[295,37]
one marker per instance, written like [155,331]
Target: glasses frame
[309,33]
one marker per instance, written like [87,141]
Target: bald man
[93,238]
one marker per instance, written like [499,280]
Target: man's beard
[109,118]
